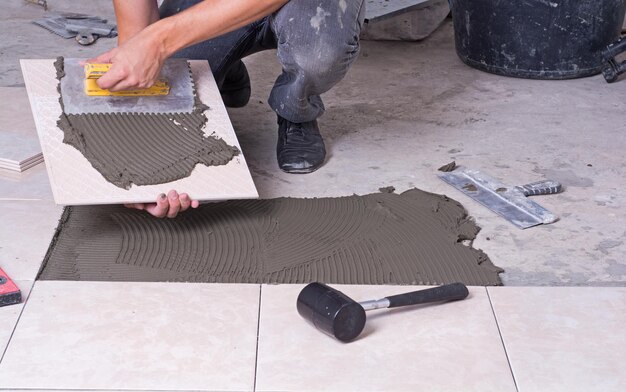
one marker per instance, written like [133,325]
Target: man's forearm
[140,55]
[133,16]
[207,20]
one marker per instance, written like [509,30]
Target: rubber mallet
[336,314]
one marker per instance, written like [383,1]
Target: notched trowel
[510,202]
[174,93]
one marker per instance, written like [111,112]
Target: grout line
[6,348]
[258,328]
[502,339]
[116,390]
[16,199]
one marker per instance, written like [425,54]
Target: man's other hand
[167,205]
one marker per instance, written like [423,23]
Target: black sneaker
[235,90]
[300,146]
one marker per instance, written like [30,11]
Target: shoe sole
[301,171]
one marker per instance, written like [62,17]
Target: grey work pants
[316,42]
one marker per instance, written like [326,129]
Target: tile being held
[75,181]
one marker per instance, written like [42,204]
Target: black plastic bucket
[539,39]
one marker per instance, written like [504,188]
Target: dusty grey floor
[407,108]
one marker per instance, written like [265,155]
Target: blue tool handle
[547,187]
[447,292]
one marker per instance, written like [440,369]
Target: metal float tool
[510,202]
[93,72]
[336,314]
[9,293]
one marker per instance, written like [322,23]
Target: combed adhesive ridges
[144,148]
[383,238]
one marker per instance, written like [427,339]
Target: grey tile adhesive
[143,148]
[383,238]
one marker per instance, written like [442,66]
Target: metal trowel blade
[507,201]
[175,72]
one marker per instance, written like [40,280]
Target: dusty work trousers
[316,43]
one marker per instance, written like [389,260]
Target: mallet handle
[375,304]
[447,292]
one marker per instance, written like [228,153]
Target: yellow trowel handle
[93,71]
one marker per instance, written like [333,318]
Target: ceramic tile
[32,184]
[15,114]
[19,144]
[74,181]
[18,151]
[10,314]
[564,338]
[447,347]
[164,336]
[26,229]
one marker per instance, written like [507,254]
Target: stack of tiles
[19,144]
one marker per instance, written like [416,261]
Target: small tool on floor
[336,314]
[94,71]
[85,37]
[85,28]
[613,68]
[510,202]
[9,293]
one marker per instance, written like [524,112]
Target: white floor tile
[18,135]
[26,229]
[32,184]
[447,347]
[164,336]
[98,390]
[564,339]
[10,314]
[15,112]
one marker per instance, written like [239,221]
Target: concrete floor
[407,108]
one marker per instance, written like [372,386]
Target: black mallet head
[331,311]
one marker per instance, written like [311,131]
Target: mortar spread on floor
[382,238]
[143,148]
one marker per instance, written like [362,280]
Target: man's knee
[326,61]
[320,39]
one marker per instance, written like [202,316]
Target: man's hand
[167,206]
[134,64]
